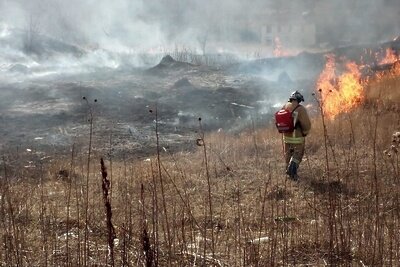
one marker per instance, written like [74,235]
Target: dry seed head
[396,138]
[199,142]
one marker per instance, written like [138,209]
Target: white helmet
[296,96]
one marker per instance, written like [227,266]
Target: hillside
[225,203]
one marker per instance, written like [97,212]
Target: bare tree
[32,32]
[202,38]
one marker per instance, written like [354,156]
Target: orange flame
[396,69]
[339,93]
[390,57]
[278,48]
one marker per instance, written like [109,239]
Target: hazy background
[148,25]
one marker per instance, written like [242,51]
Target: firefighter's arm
[304,121]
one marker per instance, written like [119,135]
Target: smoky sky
[142,24]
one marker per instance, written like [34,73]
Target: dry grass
[259,218]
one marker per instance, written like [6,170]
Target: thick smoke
[157,24]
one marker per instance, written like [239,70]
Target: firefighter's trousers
[294,152]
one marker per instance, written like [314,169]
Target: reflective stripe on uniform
[293,140]
[294,160]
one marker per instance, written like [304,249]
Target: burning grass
[226,204]
[342,91]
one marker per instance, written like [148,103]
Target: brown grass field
[228,203]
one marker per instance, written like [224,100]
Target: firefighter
[294,142]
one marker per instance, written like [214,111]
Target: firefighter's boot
[292,170]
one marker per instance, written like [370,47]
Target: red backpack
[284,120]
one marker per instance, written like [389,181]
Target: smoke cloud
[143,25]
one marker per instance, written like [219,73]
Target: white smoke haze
[138,24]
[110,34]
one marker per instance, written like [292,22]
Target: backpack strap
[296,108]
[296,123]
[284,107]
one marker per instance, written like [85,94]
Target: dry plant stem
[130,220]
[124,191]
[356,160]
[111,169]
[254,139]
[71,175]
[314,205]
[224,197]
[320,105]
[331,209]
[78,190]
[154,216]
[264,199]
[53,233]
[127,224]
[376,183]
[4,196]
[186,204]
[169,240]
[107,203]
[42,219]
[209,188]
[273,248]
[3,223]
[12,242]
[285,228]
[124,257]
[146,246]
[86,245]
[397,170]
[240,221]
[185,195]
